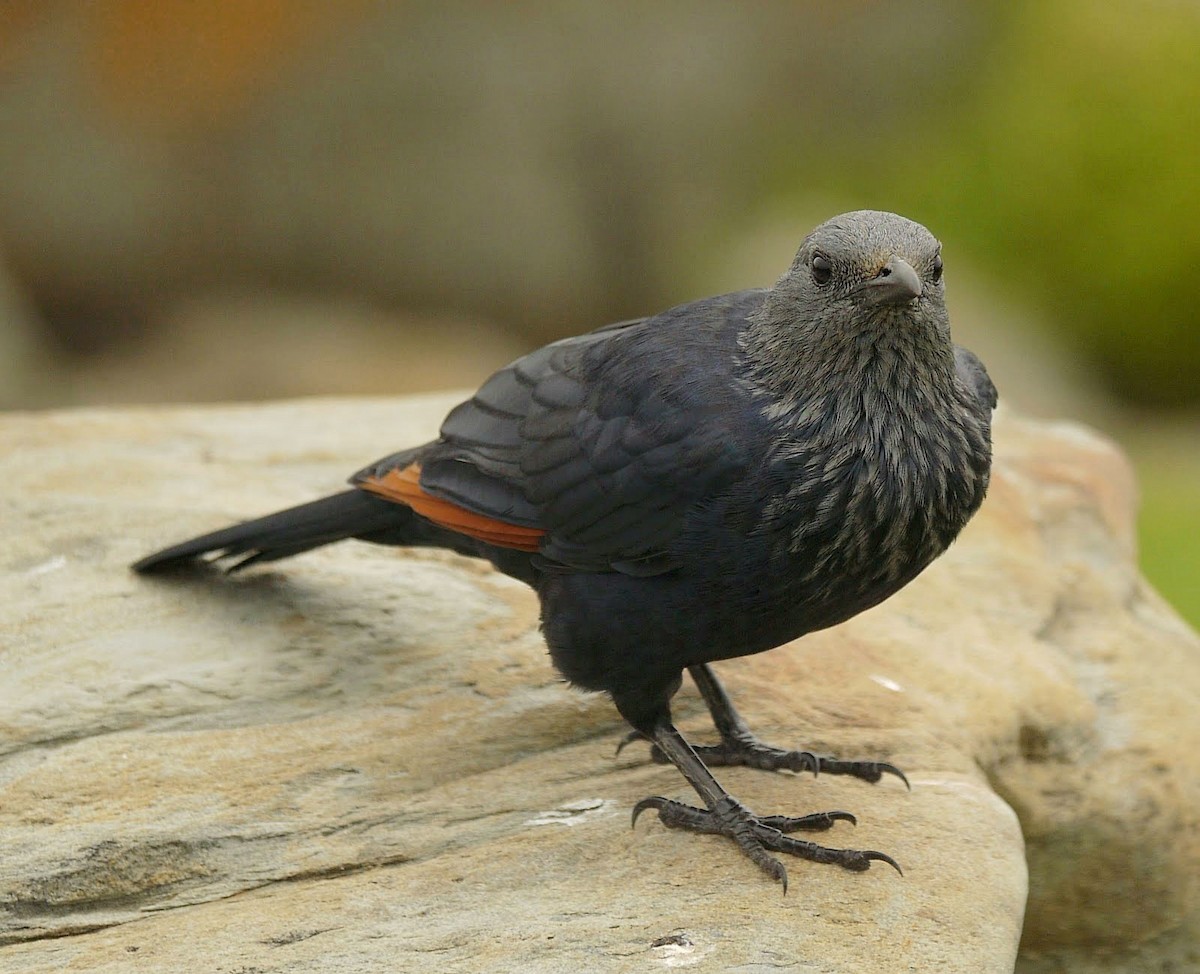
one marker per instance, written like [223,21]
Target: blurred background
[249,199]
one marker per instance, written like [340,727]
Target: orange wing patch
[404,486]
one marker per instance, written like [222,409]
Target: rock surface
[361,759]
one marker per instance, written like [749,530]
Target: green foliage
[1168,530]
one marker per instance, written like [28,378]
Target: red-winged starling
[703,484]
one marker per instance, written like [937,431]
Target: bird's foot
[746,749]
[759,836]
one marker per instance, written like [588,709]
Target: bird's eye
[822,270]
[936,275]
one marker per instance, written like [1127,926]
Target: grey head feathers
[864,296]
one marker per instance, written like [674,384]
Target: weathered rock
[362,760]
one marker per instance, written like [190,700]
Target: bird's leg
[739,746]
[756,836]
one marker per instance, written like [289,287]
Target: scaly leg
[739,746]
[756,836]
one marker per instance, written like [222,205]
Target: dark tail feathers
[350,514]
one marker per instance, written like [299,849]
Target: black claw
[629,739]
[654,801]
[892,769]
[882,857]
[868,771]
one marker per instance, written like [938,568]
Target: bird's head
[864,287]
[865,266]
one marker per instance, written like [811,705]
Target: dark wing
[975,377]
[590,450]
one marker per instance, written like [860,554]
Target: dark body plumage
[707,483]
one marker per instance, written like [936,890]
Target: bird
[698,485]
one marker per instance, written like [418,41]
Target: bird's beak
[896,283]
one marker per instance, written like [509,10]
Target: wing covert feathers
[404,486]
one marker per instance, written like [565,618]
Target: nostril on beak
[895,282]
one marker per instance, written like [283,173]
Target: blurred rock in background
[267,198]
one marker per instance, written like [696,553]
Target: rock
[362,760]
[262,347]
